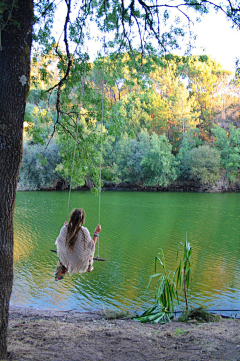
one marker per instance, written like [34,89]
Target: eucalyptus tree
[157,27]
[228,142]
[204,78]
[168,94]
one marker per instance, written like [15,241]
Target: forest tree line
[166,120]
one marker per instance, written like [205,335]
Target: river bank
[177,186]
[67,335]
[221,186]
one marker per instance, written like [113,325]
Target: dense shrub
[127,159]
[37,168]
[203,164]
[228,142]
[144,161]
[159,166]
[189,141]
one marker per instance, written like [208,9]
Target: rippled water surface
[134,227]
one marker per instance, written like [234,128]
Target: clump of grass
[113,315]
[179,332]
[199,314]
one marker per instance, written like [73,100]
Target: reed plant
[168,286]
[183,271]
[166,295]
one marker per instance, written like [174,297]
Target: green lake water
[135,225]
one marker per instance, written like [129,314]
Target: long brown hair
[75,223]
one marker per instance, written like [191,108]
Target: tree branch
[69,64]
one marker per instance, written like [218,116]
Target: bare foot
[90,268]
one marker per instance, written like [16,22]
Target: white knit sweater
[76,260]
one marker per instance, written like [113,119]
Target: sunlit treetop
[149,27]
[146,25]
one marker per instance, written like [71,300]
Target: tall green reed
[165,295]
[184,270]
[167,289]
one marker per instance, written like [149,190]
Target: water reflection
[135,226]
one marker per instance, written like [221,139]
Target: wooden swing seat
[94,258]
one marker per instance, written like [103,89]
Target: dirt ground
[68,336]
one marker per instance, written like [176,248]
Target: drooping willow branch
[202,4]
[69,63]
[86,11]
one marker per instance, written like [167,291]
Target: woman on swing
[75,246]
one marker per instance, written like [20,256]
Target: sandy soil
[46,335]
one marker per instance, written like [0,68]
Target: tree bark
[16,36]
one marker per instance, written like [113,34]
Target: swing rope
[75,145]
[74,152]
[101,149]
[100,162]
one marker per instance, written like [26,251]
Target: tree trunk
[16,38]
